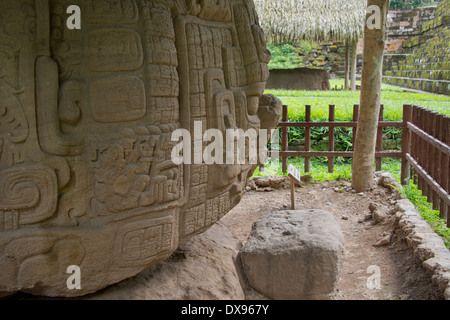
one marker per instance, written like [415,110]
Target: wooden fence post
[355,119]
[445,167]
[420,149]
[331,118]
[406,144]
[284,138]
[428,152]
[379,144]
[434,156]
[414,145]
[308,138]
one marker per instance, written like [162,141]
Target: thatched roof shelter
[317,20]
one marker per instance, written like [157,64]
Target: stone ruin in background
[86,118]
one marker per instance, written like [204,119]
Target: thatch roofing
[318,20]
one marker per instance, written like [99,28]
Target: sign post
[294,176]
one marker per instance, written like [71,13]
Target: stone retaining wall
[425,243]
[417,54]
[423,62]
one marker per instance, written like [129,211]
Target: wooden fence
[425,150]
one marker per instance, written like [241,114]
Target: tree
[372,71]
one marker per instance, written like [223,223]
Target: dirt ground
[370,247]
[367,221]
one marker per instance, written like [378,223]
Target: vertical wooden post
[420,149]
[434,156]
[406,143]
[347,65]
[284,138]
[379,144]
[445,167]
[292,193]
[294,176]
[353,64]
[414,139]
[307,138]
[331,118]
[439,156]
[425,152]
[355,119]
[429,152]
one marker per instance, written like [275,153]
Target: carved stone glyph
[86,119]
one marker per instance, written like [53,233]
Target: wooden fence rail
[331,124]
[425,150]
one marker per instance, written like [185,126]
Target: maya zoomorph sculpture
[86,119]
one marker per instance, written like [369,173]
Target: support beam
[347,65]
[354,64]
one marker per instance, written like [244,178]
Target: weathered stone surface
[299,79]
[294,255]
[385,179]
[423,41]
[203,268]
[426,244]
[275,182]
[86,120]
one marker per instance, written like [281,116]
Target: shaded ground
[401,275]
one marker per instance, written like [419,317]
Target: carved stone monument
[86,119]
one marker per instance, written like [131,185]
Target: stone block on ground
[294,255]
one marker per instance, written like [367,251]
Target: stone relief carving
[86,120]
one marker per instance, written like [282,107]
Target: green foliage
[304,47]
[284,57]
[319,139]
[288,56]
[425,209]
[410,4]
[319,169]
[392,98]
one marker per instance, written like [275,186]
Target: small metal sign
[294,176]
[294,173]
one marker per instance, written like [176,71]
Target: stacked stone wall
[417,54]
[424,63]
[328,56]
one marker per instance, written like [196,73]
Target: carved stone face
[86,119]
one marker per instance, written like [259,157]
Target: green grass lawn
[393,99]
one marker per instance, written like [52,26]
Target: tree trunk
[347,58]
[354,64]
[364,156]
